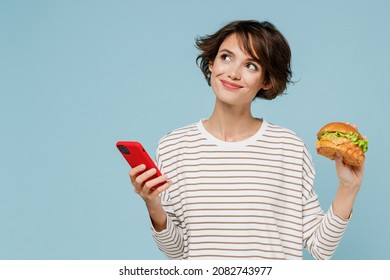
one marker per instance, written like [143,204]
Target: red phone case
[135,154]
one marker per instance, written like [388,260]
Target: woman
[238,186]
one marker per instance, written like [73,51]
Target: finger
[353,125]
[149,185]
[359,169]
[163,187]
[145,176]
[153,193]
[136,170]
[338,158]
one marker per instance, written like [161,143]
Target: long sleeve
[169,241]
[322,232]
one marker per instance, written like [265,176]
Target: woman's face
[236,77]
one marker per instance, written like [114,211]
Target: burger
[342,138]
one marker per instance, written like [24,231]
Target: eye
[251,66]
[226,57]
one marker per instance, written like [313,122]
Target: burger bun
[328,147]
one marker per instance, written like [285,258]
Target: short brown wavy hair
[263,42]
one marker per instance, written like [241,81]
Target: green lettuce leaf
[354,137]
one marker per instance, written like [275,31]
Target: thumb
[338,159]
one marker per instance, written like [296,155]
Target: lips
[230,85]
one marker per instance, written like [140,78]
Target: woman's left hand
[350,180]
[350,177]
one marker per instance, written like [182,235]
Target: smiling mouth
[230,85]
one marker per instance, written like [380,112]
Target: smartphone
[135,154]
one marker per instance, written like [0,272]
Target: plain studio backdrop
[77,76]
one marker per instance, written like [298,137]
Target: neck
[232,123]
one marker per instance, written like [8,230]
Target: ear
[267,86]
[210,65]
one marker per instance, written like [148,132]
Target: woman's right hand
[139,179]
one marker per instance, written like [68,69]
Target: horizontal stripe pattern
[250,199]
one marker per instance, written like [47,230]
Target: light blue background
[76,76]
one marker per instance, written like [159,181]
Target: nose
[234,72]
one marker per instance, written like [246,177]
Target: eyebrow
[251,59]
[226,50]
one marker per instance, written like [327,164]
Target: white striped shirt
[248,199]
